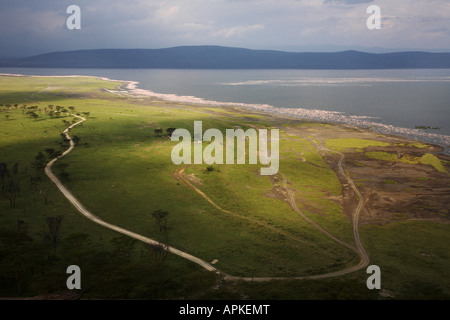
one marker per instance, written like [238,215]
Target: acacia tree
[50,152]
[170,131]
[62,173]
[76,140]
[54,226]
[39,163]
[30,113]
[160,250]
[161,219]
[9,182]
[3,171]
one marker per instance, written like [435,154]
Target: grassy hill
[218,57]
[121,171]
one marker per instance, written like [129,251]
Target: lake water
[390,101]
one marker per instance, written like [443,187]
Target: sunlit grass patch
[379,155]
[433,161]
[342,144]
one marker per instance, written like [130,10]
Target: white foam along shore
[130,88]
[310,114]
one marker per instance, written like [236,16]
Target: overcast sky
[29,27]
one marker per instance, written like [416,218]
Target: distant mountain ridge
[217,57]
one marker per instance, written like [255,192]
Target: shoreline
[131,89]
[335,117]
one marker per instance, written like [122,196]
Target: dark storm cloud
[31,27]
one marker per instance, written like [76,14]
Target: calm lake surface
[390,101]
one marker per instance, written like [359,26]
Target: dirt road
[359,248]
[79,206]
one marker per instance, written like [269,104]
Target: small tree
[158,132]
[39,162]
[161,219]
[62,173]
[21,226]
[50,152]
[170,131]
[7,117]
[76,140]
[54,226]
[158,251]
[9,182]
[3,172]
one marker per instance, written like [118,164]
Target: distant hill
[216,57]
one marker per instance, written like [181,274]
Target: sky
[30,27]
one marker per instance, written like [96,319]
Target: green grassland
[341,144]
[380,155]
[427,159]
[122,171]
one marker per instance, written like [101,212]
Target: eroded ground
[395,183]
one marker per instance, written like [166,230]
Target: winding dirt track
[179,173]
[359,248]
[79,206]
[364,262]
[362,253]
[294,206]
